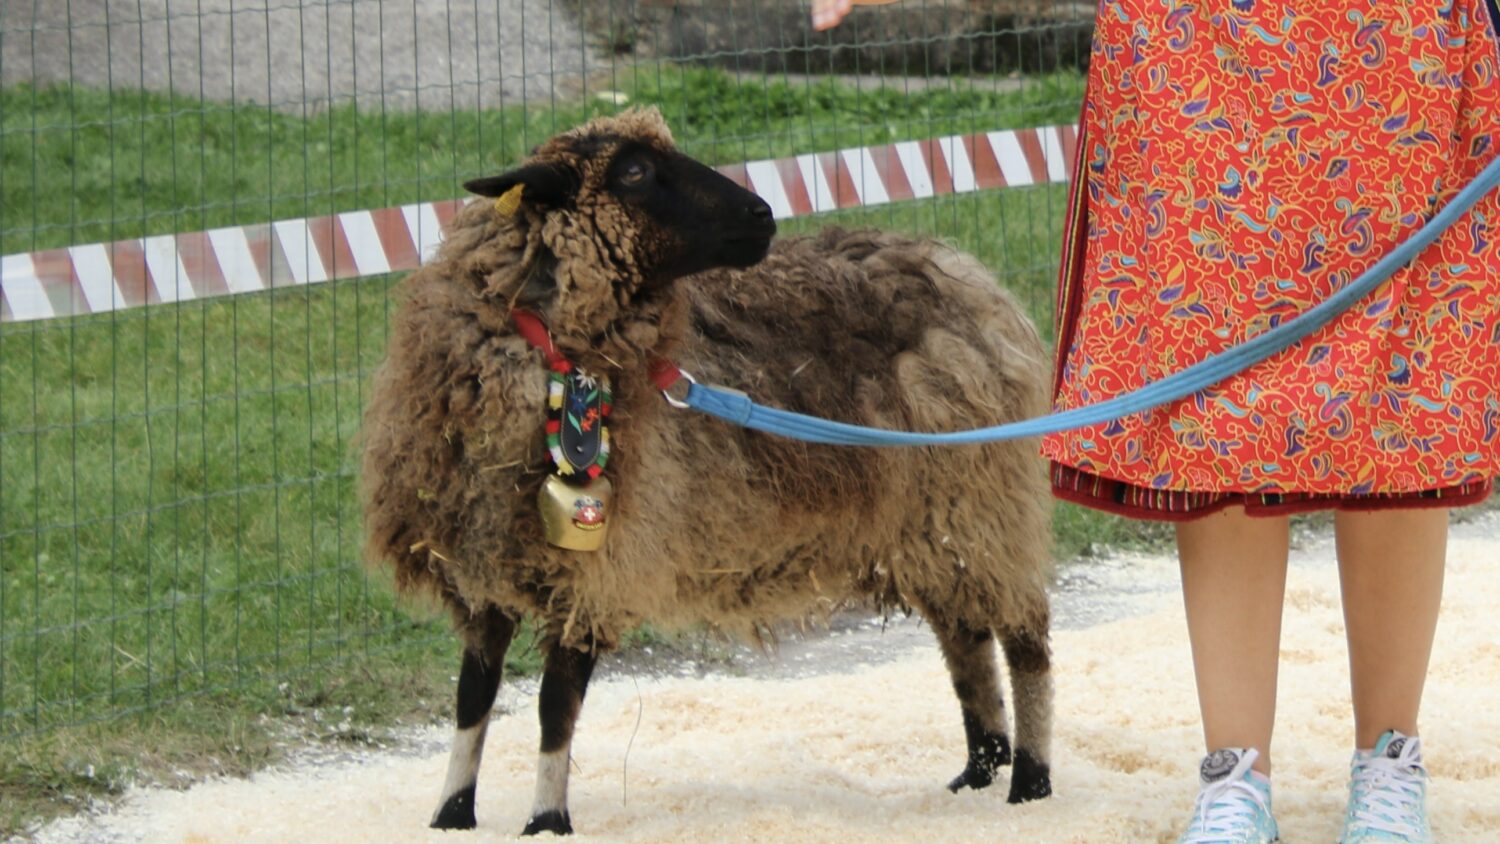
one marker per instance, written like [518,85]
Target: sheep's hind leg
[1030,663]
[970,655]
[564,682]
[486,638]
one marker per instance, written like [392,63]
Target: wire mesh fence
[177,445]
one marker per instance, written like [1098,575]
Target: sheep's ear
[545,185]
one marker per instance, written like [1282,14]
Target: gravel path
[428,54]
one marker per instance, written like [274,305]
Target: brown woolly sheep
[629,251]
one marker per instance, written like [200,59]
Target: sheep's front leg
[564,681]
[486,638]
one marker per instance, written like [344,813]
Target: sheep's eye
[634,173]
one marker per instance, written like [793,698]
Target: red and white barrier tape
[100,277]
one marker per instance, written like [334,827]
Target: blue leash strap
[732,406]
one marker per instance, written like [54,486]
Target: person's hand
[826,14]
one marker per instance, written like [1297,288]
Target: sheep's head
[623,211]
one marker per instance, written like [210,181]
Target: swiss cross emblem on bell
[588,513]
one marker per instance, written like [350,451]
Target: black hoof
[1030,779]
[988,753]
[973,777]
[554,822]
[457,811]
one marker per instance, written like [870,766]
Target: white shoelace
[1388,792]
[1225,807]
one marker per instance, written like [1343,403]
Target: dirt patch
[393,54]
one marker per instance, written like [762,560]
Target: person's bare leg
[1391,574]
[1233,583]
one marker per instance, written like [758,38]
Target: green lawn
[178,519]
[78,166]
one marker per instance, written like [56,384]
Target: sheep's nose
[759,210]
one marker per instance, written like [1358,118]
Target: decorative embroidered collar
[578,406]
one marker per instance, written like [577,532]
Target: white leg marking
[463,762]
[1033,699]
[551,783]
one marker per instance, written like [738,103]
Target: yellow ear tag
[509,202]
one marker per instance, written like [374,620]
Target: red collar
[662,372]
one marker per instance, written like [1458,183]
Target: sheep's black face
[692,218]
[657,214]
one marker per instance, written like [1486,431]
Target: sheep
[629,252]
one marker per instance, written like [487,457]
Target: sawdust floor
[862,753]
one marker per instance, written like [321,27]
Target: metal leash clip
[680,405]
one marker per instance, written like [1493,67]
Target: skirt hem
[1124,499]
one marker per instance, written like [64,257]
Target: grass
[79,165]
[221,734]
[178,521]
[178,509]
[178,525]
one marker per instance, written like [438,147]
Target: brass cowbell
[575,517]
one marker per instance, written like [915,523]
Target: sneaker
[1234,802]
[1388,793]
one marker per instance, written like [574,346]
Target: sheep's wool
[710,523]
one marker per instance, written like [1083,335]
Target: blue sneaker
[1234,802]
[1388,793]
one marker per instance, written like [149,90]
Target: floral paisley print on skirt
[1240,160]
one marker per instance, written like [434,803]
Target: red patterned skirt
[1239,160]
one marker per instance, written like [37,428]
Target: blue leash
[735,407]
